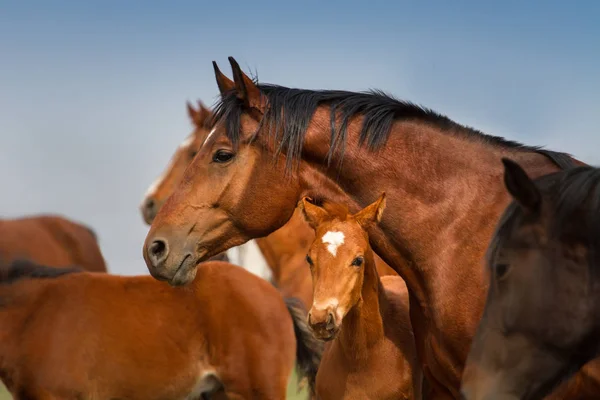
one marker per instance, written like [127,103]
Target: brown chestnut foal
[67,334]
[50,240]
[371,351]
[283,250]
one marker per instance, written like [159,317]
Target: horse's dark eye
[222,156]
[501,270]
[309,260]
[358,261]
[193,154]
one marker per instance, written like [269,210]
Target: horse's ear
[246,89]
[191,111]
[371,213]
[312,213]
[203,112]
[520,186]
[224,83]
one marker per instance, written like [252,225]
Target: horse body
[92,336]
[50,240]
[442,180]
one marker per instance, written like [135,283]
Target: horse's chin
[326,335]
[186,273]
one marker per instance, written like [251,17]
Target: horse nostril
[150,204]
[330,320]
[158,251]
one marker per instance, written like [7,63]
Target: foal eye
[309,260]
[222,156]
[501,270]
[358,261]
[193,154]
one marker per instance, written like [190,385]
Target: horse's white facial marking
[152,189]
[208,137]
[333,240]
[331,302]
[187,141]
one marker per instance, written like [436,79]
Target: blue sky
[92,96]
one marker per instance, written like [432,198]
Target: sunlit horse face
[201,218]
[337,260]
[164,185]
[539,311]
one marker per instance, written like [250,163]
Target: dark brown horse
[273,145]
[371,351]
[284,250]
[66,334]
[50,240]
[541,322]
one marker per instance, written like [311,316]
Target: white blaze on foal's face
[333,240]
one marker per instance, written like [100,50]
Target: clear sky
[92,94]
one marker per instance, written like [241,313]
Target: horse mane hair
[572,198]
[27,269]
[290,111]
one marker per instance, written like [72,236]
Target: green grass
[4,394]
[291,391]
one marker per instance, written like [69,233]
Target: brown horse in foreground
[284,250]
[541,322]
[371,352]
[50,240]
[66,334]
[273,145]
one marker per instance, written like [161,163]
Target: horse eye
[501,270]
[358,261]
[193,154]
[309,260]
[222,156]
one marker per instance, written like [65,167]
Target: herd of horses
[411,258]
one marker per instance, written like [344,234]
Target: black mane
[573,198]
[290,111]
[22,269]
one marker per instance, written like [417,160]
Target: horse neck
[362,327]
[432,179]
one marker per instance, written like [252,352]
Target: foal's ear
[203,112]
[224,83]
[246,89]
[312,213]
[520,186]
[371,213]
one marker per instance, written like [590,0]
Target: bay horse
[51,240]
[541,321]
[283,250]
[165,184]
[370,351]
[273,145]
[69,334]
